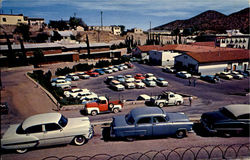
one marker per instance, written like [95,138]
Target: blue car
[150,122]
[100,71]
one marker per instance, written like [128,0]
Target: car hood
[177,117]
[78,122]
[11,131]
[215,116]
[119,121]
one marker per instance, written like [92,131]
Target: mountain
[212,20]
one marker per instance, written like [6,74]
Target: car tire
[21,151]
[161,105]
[111,105]
[180,134]
[116,110]
[80,140]
[130,139]
[178,103]
[94,113]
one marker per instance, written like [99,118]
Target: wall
[168,58]
[206,69]
[12,20]
[185,61]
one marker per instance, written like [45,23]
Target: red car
[92,73]
[139,76]
[130,65]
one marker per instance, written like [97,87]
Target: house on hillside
[12,19]
[36,21]
[206,63]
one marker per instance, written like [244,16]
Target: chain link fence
[197,152]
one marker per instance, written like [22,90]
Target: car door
[103,106]
[144,127]
[161,127]
[53,134]
[37,132]
[171,99]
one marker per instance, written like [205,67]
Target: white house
[207,63]
[162,58]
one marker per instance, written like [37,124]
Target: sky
[130,13]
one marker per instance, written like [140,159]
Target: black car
[4,108]
[210,78]
[227,121]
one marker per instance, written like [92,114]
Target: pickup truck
[102,105]
[166,98]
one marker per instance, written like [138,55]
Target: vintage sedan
[228,120]
[183,74]
[150,122]
[47,129]
[224,75]
[161,82]
[149,82]
[210,78]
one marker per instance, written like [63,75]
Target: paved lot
[25,99]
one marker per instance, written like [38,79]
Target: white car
[88,95]
[108,71]
[183,74]
[139,84]
[115,69]
[161,82]
[236,75]
[47,129]
[224,75]
[60,82]
[129,84]
[149,82]
[116,85]
[76,92]
[150,75]
[73,76]
[83,75]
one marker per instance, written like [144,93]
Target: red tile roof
[147,48]
[220,56]
[210,44]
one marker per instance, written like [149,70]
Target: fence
[196,152]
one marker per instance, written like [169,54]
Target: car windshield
[129,119]
[227,113]
[63,121]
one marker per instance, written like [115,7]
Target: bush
[83,67]
[63,71]
[102,63]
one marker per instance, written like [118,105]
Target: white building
[207,63]
[116,30]
[162,58]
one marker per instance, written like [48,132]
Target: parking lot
[210,97]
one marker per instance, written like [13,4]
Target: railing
[197,152]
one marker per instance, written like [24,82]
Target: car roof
[39,119]
[146,111]
[102,98]
[238,109]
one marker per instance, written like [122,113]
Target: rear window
[227,113]
[129,119]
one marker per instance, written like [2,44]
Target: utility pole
[11,11]
[150,31]
[101,20]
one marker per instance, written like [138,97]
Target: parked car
[102,105]
[72,76]
[244,73]
[183,74]
[224,75]
[228,120]
[115,69]
[82,75]
[150,75]
[47,129]
[108,79]
[87,95]
[108,71]
[149,122]
[75,92]
[116,85]
[120,78]
[139,76]
[236,75]
[60,82]
[161,82]
[143,97]
[149,82]
[139,84]
[169,70]
[130,65]
[129,84]
[60,78]
[100,71]
[89,99]
[210,78]
[92,73]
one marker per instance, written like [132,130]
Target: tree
[60,25]
[24,30]
[88,47]
[74,22]
[42,37]
[23,56]
[38,58]
[176,33]
[11,56]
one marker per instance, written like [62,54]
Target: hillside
[212,20]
